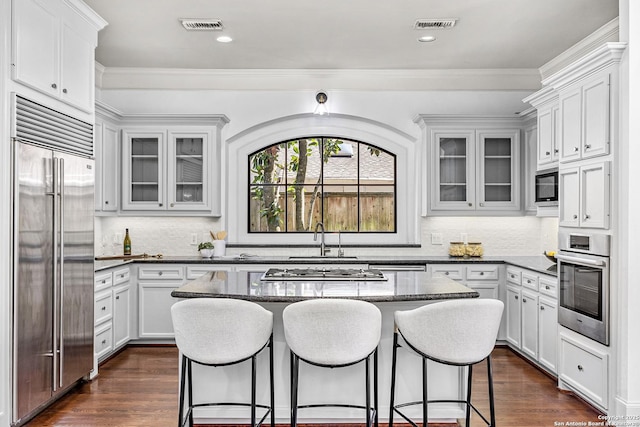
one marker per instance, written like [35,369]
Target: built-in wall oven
[583,275]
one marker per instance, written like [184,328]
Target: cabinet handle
[172,205]
[576,149]
[528,281]
[54,86]
[580,368]
[104,281]
[160,204]
[64,90]
[106,202]
[547,153]
[513,276]
[481,204]
[587,146]
[446,273]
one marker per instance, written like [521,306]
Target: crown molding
[297,79]
[609,32]
[543,96]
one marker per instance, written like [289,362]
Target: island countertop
[399,286]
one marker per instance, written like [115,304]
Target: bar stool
[456,332]
[222,332]
[333,333]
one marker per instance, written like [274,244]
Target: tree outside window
[347,185]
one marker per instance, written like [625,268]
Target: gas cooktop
[355,274]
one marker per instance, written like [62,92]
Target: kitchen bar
[404,290]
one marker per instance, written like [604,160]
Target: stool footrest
[396,409]
[201,405]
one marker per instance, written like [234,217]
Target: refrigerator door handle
[56,172]
[61,218]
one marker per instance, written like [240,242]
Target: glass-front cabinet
[166,171]
[474,170]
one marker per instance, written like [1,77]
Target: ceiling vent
[202,24]
[434,24]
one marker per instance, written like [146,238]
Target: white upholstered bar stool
[334,333]
[222,332]
[457,332]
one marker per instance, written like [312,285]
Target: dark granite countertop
[105,265]
[400,286]
[539,263]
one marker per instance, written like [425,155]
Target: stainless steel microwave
[547,187]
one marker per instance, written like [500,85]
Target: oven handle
[597,263]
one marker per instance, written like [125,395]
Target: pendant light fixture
[321,108]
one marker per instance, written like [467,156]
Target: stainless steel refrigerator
[53,268]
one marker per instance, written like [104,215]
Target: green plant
[205,245]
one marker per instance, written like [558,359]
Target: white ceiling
[345,34]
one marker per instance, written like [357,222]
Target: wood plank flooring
[138,388]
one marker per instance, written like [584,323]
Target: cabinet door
[143,171]
[546,136]
[569,187]
[548,334]
[188,171]
[570,124]
[498,169]
[513,316]
[36,44]
[121,315]
[595,115]
[107,176]
[594,195]
[453,184]
[155,309]
[530,323]
[77,69]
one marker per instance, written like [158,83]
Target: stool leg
[425,396]
[469,382]
[393,377]
[367,388]
[190,387]
[271,386]
[375,386]
[491,401]
[183,379]
[253,391]
[294,390]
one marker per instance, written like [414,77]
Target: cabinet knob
[54,86]
[556,151]
[481,204]
[541,307]
[587,216]
[117,296]
[587,146]
[470,204]
[516,297]
[547,287]
[64,90]
[547,153]
[159,273]
[104,308]
[106,202]
[482,273]
[159,204]
[104,341]
[575,216]
[524,300]
[446,273]
[104,281]
[580,368]
[172,205]
[576,149]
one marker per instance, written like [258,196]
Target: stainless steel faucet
[315,237]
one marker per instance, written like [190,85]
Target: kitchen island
[402,290]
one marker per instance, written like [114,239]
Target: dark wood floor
[138,388]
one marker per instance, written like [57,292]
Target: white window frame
[240,146]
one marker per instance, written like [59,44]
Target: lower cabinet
[112,313]
[155,284]
[583,368]
[532,316]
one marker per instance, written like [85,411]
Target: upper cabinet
[584,110]
[474,165]
[545,102]
[53,49]
[172,168]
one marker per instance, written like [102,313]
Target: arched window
[349,186]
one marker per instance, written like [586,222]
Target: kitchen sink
[316,257]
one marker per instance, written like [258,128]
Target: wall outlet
[194,238]
[436,238]
[464,238]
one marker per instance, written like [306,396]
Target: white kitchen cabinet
[106,149]
[513,313]
[474,165]
[121,315]
[548,136]
[53,49]
[548,332]
[529,312]
[583,367]
[155,284]
[482,278]
[585,195]
[585,118]
[167,169]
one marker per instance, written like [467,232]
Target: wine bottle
[127,243]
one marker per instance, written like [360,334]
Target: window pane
[303,207]
[376,166]
[377,208]
[266,208]
[303,161]
[266,166]
[340,208]
[341,162]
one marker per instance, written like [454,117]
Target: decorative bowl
[206,253]
[551,258]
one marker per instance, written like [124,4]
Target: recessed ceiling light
[224,39]
[426,39]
